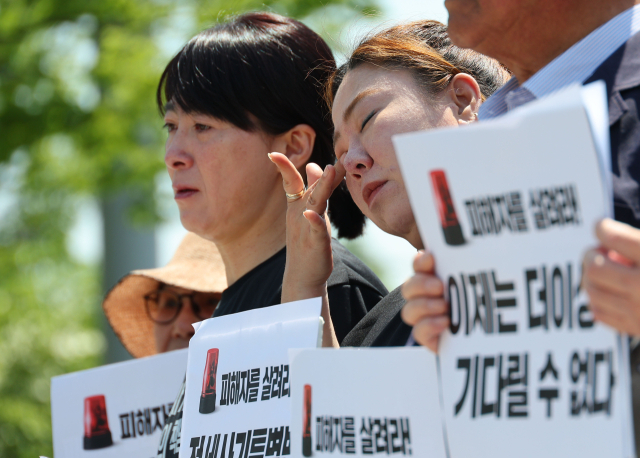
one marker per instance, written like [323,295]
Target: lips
[183,191]
[371,189]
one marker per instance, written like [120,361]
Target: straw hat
[196,265]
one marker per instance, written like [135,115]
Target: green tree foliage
[78,121]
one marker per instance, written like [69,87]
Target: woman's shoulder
[349,269]
[382,326]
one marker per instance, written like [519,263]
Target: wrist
[297,291]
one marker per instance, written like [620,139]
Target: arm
[309,258]
[611,276]
[425,310]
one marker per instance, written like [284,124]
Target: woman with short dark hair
[232,95]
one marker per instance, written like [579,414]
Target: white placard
[362,402]
[134,397]
[237,396]
[508,208]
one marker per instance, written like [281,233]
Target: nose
[356,160]
[182,328]
[176,156]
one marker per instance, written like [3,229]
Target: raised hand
[309,258]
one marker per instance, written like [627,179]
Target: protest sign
[508,207]
[115,410]
[361,402]
[237,398]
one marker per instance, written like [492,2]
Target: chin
[460,34]
[462,22]
[396,223]
[194,223]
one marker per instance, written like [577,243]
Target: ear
[465,95]
[297,144]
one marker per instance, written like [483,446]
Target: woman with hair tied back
[233,94]
[403,79]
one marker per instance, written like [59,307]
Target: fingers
[316,222]
[600,303]
[422,285]
[424,262]
[426,309]
[621,238]
[314,172]
[291,178]
[427,332]
[602,272]
[317,200]
[340,174]
[613,288]
[420,308]
[619,313]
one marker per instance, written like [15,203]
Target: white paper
[252,349]
[362,401]
[144,388]
[536,165]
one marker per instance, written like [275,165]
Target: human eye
[169,126]
[168,301]
[367,119]
[201,127]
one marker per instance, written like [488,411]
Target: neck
[415,240]
[564,24]
[242,252]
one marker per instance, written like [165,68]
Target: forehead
[367,79]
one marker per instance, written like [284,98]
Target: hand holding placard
[426,308]
[612,276]
[525,370]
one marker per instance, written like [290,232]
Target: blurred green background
[78,125]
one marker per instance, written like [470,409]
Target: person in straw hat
[151,310]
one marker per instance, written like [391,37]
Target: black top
[621,73]
[382,327]
[353,290]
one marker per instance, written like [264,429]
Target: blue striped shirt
[575,65]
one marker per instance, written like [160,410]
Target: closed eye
[367,119]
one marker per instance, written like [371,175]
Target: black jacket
[621,73]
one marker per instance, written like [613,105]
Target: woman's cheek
[356,193]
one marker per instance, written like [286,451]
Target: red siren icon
[306,422]
[208,396]
[446,210]
[96,423]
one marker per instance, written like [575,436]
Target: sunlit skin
[525,35]
[203,155]
[176,335]
[226,189]
[371,105]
